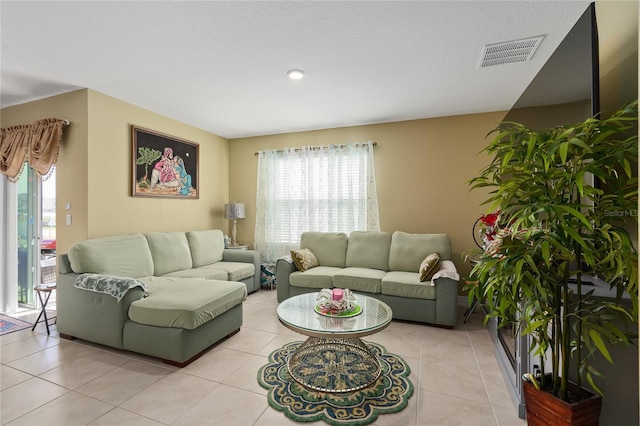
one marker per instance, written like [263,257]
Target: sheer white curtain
[329,188]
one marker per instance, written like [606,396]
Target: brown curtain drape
[38,143]
[14,142]
[44,145]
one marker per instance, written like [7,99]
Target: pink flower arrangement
[335,301]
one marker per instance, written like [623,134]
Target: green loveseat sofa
[381,265]
[169,295]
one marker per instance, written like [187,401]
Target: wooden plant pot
[543,408]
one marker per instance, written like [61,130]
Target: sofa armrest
[446,301]
[247,256]
[64,264]
[96,317]
[284,268]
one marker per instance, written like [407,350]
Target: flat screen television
[566,89]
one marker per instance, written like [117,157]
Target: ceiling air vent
[509,51]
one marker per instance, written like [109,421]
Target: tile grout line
[484,382]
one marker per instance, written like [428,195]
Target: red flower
[490,219]
[488,228]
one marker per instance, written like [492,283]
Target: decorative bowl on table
[337,302]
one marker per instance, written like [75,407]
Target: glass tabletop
[298,314]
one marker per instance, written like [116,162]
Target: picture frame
[163,166]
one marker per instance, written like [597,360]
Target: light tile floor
[49,381]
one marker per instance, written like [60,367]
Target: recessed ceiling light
[295,74]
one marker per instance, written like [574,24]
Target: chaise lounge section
[169,295]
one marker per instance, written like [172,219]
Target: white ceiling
[221,66]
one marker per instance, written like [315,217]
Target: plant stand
[544,409]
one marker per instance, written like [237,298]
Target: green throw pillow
[429,266]
[304,259]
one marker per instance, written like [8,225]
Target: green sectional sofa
[169,295]
[381,265]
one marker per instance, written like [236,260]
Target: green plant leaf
[537,180]
[580,143]
[597,340]
[564,149]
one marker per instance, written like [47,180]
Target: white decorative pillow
[304,259]
[429,266]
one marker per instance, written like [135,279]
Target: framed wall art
[163,165]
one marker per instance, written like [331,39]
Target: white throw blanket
[109,284]
[447,270]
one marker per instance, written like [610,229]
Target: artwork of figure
[182,176]
[163,166]
[163,171]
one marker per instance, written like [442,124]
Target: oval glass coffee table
[333,358]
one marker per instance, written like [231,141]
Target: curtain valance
[37,143]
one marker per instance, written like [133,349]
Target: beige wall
[111,208]
[618,47]
[94,169]
[422,169]
[618,42]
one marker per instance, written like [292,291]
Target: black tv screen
[566,90]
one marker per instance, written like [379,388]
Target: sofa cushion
[429,266]
[329,248]
[368,250]
[235,271]
[170,252]
[409,250]
[204,273]
[206,247]
[407,284]
[185,303]
[318,277]
[359,279]
[304,259]
[122,255]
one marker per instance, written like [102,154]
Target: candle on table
[337,293]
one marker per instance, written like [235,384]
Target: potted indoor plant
[555,229]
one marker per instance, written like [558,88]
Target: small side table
[267,275]
[40,290]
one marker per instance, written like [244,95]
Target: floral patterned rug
[389,394]
[9,324]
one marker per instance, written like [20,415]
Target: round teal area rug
[389,394]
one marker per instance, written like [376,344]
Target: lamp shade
[234,211]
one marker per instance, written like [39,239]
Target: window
[329,189]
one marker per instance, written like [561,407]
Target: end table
[40,290]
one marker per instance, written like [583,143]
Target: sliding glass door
[36,231]
[28,215]
[27,238]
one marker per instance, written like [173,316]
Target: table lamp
[234,211]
